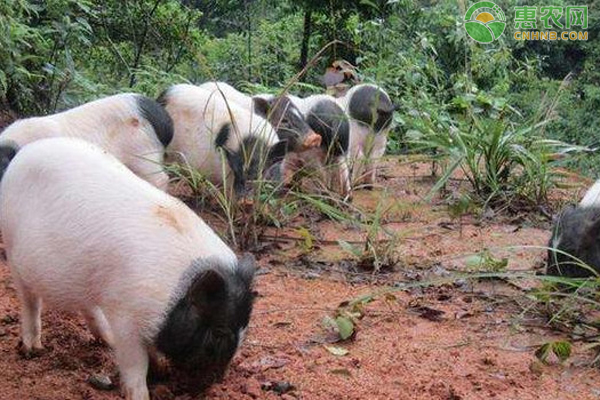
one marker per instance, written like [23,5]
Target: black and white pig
[82,233]
[132,127]
[370,110]
[576,236]
[205,122]
[329,121]
[281,113]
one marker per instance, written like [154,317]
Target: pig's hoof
[29,353]
[312,140]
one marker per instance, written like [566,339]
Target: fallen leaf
[345,327]
[336,351]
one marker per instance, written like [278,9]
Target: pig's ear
[247,268]
[261,106]
[208,289]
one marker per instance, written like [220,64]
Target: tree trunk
[140,45]
[248,40]
[306,36]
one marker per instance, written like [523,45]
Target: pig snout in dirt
[83,233]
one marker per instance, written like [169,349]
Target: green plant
[485,261]
[504,162]
[377,252]
[559,349]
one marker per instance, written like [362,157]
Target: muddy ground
[458,340]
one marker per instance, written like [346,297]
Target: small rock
[282,387]
[101,382]
[9,319]
[3,332]
[286,396]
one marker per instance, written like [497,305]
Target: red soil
[460,340]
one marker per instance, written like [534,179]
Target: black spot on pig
[371,106]
[223,135]
[328,120]
[286,119]
[576,233]
[7,153]
[203,328]
[251,159]
[161,121]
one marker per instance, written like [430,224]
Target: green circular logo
[485,22]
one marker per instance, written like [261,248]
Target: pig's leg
[339,176]
[344,178]
[377,150]
[99,326]
[132,359]
[357,165]
[31,323]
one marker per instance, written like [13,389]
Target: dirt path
[461,340]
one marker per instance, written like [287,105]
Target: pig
[205,123]
[576,236]
[82,233]
[281,113]
[370,110]
[329,121]
[132,127]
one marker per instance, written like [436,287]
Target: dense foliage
[458,98]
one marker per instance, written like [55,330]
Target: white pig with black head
[83,233]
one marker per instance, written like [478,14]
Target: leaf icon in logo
[479,31]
